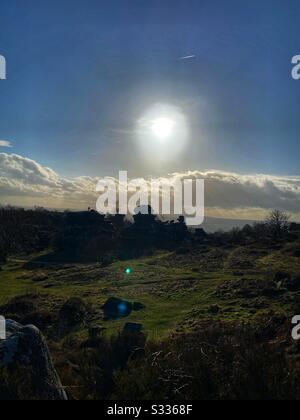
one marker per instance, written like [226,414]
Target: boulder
[26,365]
[115,308]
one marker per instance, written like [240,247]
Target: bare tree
[278,222]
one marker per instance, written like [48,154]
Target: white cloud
[22,177]
[5,143]
[26,182]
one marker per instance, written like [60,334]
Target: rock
[292,284]
[24,352]
[115,308]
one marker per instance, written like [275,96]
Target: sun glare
[162,133]
[163,128]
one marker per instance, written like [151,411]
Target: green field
[176,290]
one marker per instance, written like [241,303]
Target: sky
[84,78]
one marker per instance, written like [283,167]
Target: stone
[25,352]
[292,284]
[115,308]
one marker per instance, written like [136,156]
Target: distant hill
[210,225]
[213,224]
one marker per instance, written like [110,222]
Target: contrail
[188,57]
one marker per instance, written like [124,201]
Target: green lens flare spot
[128,270]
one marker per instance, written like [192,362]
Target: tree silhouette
[278,223]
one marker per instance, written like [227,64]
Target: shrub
[73,312]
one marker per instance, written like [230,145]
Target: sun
[162,133]
[163,127]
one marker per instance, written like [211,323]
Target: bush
[227,361]
[16,384]
[203,366]
[73,312]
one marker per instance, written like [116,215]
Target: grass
[12,286]
[278,262]
[176,291]
[180,294]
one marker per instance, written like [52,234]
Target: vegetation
[215,309]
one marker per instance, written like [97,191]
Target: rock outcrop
[25,358]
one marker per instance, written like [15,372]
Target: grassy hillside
[208,311]
[176,290]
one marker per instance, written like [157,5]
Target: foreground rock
[115,308]
[26,365]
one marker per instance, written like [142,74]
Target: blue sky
[82,73]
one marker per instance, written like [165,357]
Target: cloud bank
[24,182]
[5,143]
